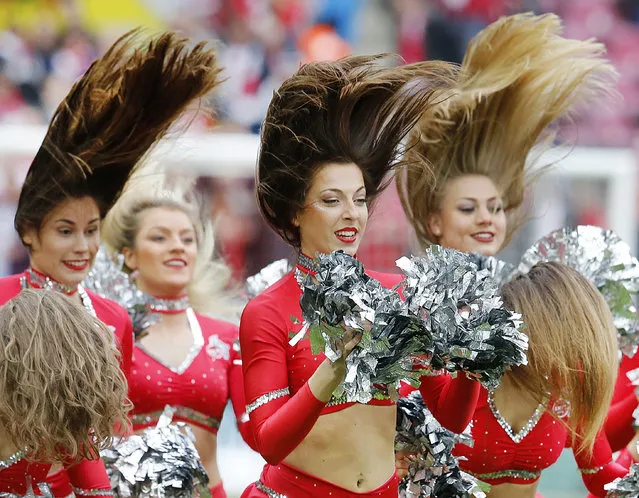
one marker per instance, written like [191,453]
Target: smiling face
[471,217]
[164,252]
[335,213]
[66,244]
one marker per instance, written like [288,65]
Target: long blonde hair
[572,344]
[151,188]
[519,76]
[61,388]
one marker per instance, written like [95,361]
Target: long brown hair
[122,105]
[61,388]
[518,77]
[350,111]
[572,344]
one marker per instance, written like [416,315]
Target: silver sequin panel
[529,475]
[180,411]
[12,460]
[525,430]
[268,491]
[267,398]
[92,492]
[593,470]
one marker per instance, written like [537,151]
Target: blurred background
[46,44]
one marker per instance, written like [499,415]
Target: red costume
[86,477]
[199,388]
[501,456]
[619,423]
[281,406]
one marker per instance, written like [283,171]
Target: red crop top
[619,422]
[501,456]
[281,407]
[89,478]
[200,387]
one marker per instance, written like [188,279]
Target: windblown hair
[572,345]
[122,105]
[150,188]
[349,111]
[61,388]
[519,77]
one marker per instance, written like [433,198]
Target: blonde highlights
[519,77]
[209,289]
[573,348]
[61,388]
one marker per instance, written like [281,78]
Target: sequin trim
[92,492]
[525,430]
[159,305]
[517,474]
[180,411]
[12,460]
[267,398]
[593,470]
[307,263]
[27,282]
[41,281]
[268,491]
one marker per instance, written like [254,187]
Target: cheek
[455,225]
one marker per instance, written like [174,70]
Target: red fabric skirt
[217,491]
[294,483]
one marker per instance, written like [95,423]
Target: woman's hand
[402,462]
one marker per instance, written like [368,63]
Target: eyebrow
[340,191]
[166,229]
[474,199]
[70,222]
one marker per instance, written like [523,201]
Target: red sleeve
[85,478]
[618,426]
[236,392]
[452,401]
[125,345]
[598,469]
[279,421]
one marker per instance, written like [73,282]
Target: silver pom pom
[162,462]
[266,277]
[604,259]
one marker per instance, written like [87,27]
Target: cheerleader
[112,116]
[188,360]
[474,156]
[330,136]
[470,168]
[61,391]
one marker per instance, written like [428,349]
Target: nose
[81,244]
[177,244]
[484,216]
[350,211]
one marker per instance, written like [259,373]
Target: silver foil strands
[266,277]
[468,327]
[108,279]
[500,271]
[434,470]
[625,487]
[604,259]
[162,462]
[341,294]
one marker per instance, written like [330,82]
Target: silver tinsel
[341,294]
[266,277]
[108,279]
[434,470]
[160,463]
[625,487]
[468,328]
[500,271]
[604,259]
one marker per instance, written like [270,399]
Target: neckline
[39,280]
[192,353]
[527,428]
[307,264]
[85,299]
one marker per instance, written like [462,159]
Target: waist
[357,441]
[506,476]
[182,413]
[284,480]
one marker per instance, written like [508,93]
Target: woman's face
[68,240]
[471,217]
[164,253]
[335,213]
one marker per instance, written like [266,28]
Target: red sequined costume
[199,388]
[281,406]
[500,455]
[86,478]
[619,423]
